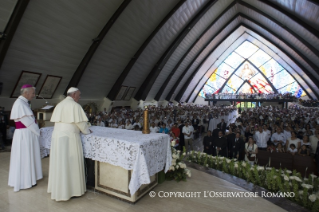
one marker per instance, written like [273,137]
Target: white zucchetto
[72,89]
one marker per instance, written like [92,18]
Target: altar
[126,161]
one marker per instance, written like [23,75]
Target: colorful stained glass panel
[246,49]
[246,88]
[206,90]
[270,68]
[246,71]
[234,60]
[259,58]
[281,79]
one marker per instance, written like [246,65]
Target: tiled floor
[37,198]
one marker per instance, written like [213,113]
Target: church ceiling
[165,49]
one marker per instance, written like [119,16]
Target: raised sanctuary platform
[126,161]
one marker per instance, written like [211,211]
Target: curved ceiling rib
[150,79]
[117,85]
[161,90]
[298,37]
[96,42]
[314,31]
[173,89]
[301,77]
[190,78]
[11,27]
[314,79]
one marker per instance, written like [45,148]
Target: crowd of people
[292,131]
[309,103]
[182,123]
[250,96]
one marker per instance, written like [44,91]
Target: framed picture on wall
[49,87]
[121,93]
[129,93]
[26,77]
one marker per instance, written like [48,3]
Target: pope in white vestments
[25,159]
[66,171]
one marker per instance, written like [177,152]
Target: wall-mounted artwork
[129,93]
[26,77]
[121,93]
[49,86]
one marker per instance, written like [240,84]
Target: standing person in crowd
[175,130]
[303,151]
[293,140]
[278,137]
[195,124]
[251,149]
[314,141]
[292,149]
[153,128]
[128,125]
[236,147]
[181,135]
[208,143]
[305,142]
[220,144]
[222,126]
[261,138]
[164,129]
[188,136]
[25,159]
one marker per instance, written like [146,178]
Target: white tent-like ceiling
[165,49]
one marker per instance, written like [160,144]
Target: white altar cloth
[145,154]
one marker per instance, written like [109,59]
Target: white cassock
[25,159]
[66,171]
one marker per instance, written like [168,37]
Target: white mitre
[72,89]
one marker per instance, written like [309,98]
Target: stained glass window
[246,49]
[234,83]
[250,64]
[246,88]
[246,71]
[259,58]
[234,60]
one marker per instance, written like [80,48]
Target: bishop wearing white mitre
[25,159]
[66,171]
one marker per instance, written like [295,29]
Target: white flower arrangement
[312,197]
[236,165]
[286,178]
[173,142]
[260,168]
[228,160]
[243,164]
[313,176]
[306,186]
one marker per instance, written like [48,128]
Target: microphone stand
[46,102]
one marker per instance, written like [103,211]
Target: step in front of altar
[114,181]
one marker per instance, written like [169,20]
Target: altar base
[114,181]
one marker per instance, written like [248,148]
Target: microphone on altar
[46,102]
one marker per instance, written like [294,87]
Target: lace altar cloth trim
[145,154]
